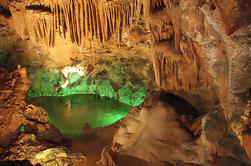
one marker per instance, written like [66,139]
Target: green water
[71,113]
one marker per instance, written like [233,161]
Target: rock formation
[198,50]
[14,89]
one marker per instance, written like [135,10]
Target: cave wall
[119,80]
[113,68]
[208,54]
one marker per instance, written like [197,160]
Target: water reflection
[71,113]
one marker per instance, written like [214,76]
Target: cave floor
[93,144]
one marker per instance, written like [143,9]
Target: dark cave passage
[181,105]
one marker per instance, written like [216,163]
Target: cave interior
[125,83]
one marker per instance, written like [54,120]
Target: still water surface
[71,113]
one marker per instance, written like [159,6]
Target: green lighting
[52,83]
[22,129]
[71,113]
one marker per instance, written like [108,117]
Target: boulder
[56,157]
[50,154]
[156,134]
[38,114]
[219,138]
[10,128]
[26,138]
[46,132]
[246,141]
[26,147]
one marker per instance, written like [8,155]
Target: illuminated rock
[36,113]
[199,50]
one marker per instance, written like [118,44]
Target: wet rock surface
[46,132]
[12,103]
[31,148]
[27,147]
[163,133]
[157,134]
[35,113]
[199,49]
[223,142]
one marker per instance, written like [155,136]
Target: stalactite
[109,20]
[102,23]
[118,25]
[57,19]
[66,18]
[63,22]
[76,22]
[105,25]
[90,19]
[38,27]
[99,33]
[86,18]
[115,18]
[157,4]
[94,19]
[55,22]
[50,36]
[5,3]
[81,17]
[72,23]
[157,64]
[44,32]
[36,33]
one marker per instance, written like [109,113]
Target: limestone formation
[36,113]
[12,102]
[74,20]
[198,50]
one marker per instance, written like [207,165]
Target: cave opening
[180,110]
[181,105]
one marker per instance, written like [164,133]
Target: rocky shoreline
[25,133]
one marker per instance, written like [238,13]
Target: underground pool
[71,113]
